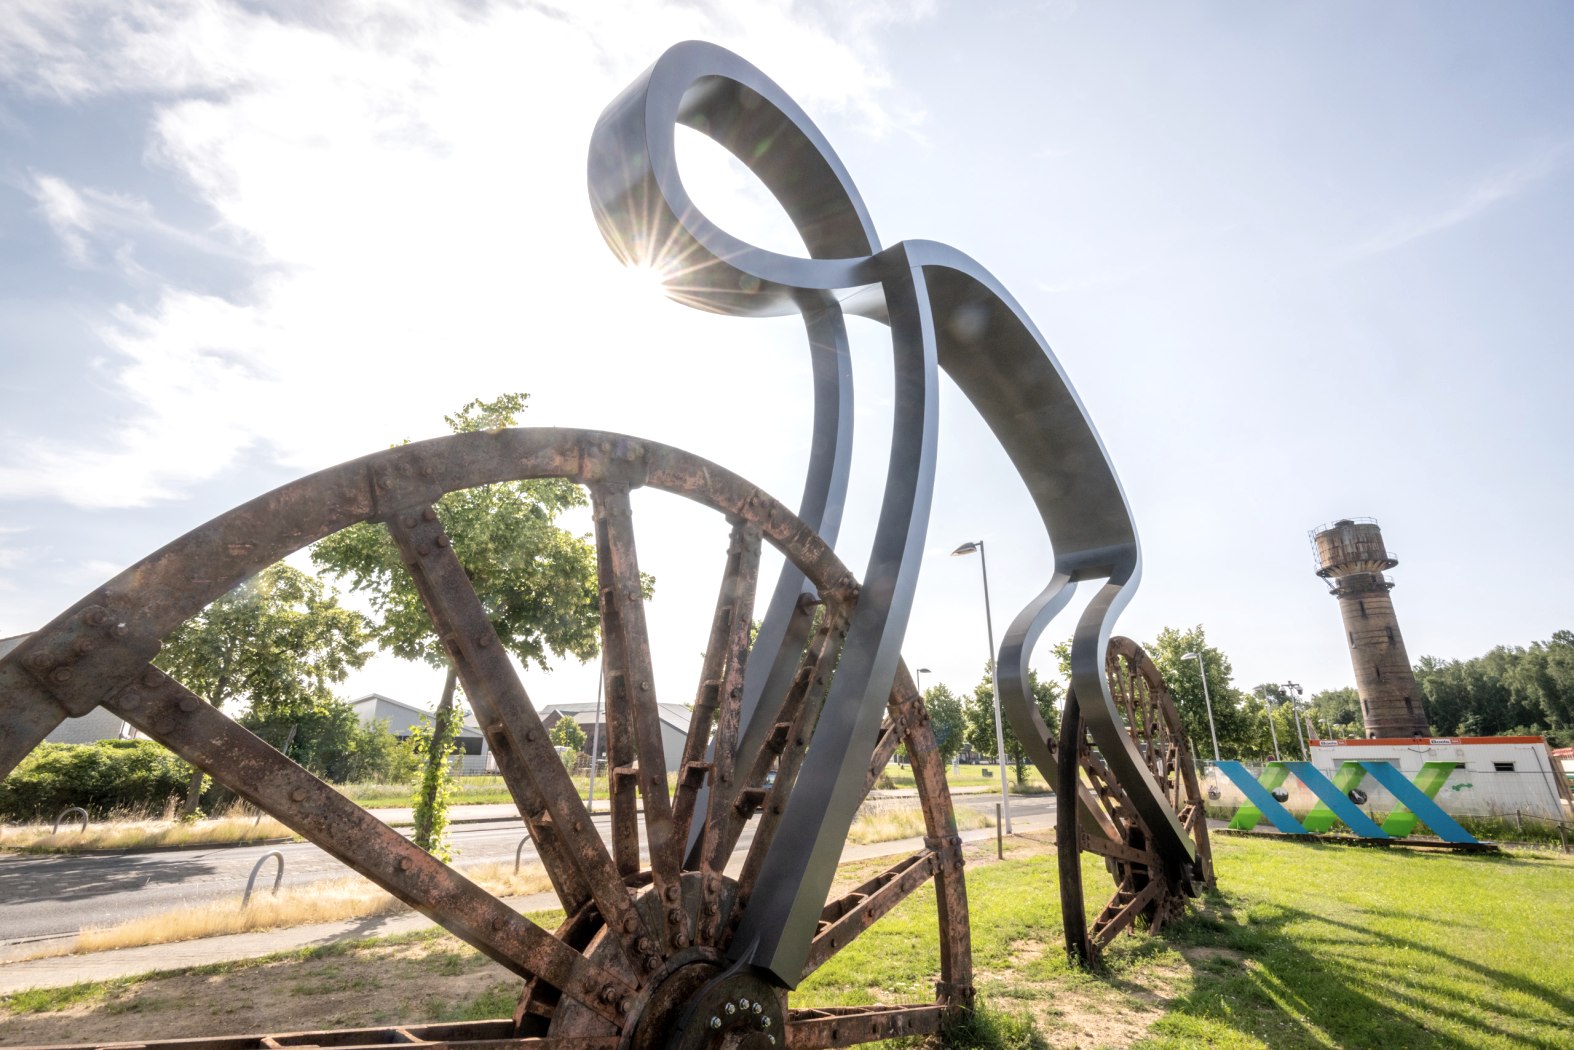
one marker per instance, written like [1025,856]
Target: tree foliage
[1337,713]
[1508,691]
[1238,725]
[946,720]
[979,712]
[566,733]
[278,642]
[537,581]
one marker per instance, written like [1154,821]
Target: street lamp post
[1268,705]
[1202,668]
[1293,692]
[921,672]
[989,624]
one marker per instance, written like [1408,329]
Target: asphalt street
[56,895]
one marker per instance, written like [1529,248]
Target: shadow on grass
[1282,976]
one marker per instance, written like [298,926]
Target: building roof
[675,715]
[467,723]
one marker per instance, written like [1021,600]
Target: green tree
[566,733]
[537,581]
[278,642]
[1231,717]
[979,713]
[946,720]
[1337,713]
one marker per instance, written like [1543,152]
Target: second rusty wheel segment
[1106,823]
[646,956]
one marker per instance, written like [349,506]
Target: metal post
[1272,730]
[595,746]
[1202,668]
[1000,842]
[1293,692]
[1000,733]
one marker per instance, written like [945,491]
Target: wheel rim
[632,930]
[1107,823]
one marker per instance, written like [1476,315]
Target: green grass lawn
[1303,946]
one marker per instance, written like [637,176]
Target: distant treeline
[1510,691]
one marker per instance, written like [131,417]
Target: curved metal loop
[278,876]
[944,310]
[66,813]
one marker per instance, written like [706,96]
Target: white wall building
[674,727]
[474,757]
[1498,776]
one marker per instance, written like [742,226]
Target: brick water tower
[1352,558]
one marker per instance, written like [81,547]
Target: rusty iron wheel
[643,957]
[1106,823]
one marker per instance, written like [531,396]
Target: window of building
[1502,767]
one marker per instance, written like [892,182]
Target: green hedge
[103,777]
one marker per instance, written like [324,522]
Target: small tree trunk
[193,794]
[431,809]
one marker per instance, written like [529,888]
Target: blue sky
[1301,261]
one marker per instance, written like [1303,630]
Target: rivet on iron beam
[630,924]
[189,704]
[497,923]
[61,675]
[442,539]
[408,521]
[483,639]
[530,735]
[152,678]
[120,630]
[679,941]
[85,644]
[404,863]
[299,794]
[428,513]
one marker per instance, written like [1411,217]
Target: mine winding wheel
[1106,822]
[645,955]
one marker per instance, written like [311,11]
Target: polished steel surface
[945,311]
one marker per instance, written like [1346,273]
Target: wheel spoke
[799,712]
[575,856]
[633,717]
[845,918]
[199,733]
[734,604]
[27,715]
[851,1025]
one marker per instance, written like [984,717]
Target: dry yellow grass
[142,834]
[886,823]
[348,898]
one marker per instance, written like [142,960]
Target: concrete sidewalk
[66,970]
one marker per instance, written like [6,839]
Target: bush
[102,777]
[330,741]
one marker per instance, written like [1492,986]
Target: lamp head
[966,548]
[925,670]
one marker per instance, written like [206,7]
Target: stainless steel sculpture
[700,948]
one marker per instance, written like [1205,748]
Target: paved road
[56,895]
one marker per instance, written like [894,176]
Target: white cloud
[1501,185]
[88,218]
[409,182]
